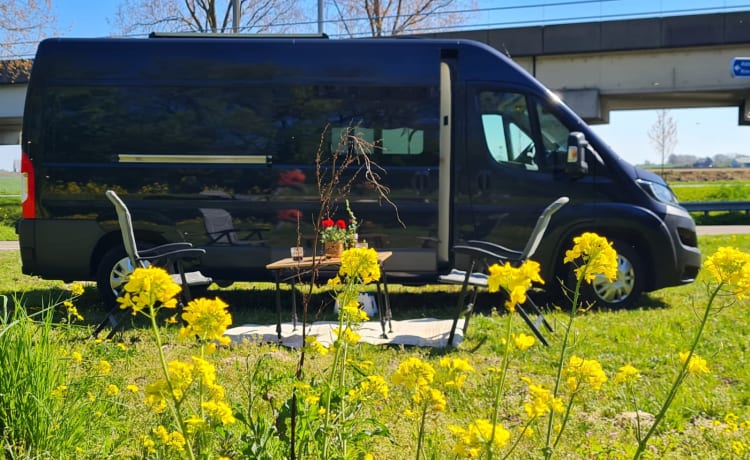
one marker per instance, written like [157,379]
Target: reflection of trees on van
[97,124]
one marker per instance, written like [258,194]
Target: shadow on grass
[257,305]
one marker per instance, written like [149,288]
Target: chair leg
[115,319]
[469,310]
[531,324]
[461,305]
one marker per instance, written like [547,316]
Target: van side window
[96,123]
[521,132]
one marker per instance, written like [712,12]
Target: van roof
[180,58]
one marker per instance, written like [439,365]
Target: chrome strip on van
[444,192]
[206,159]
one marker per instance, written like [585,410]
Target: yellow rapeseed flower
[148,444]
[730,266]
[112,390]
[181,376]
[207,319]
[104,367]
[374,387]
[697,364]
[523,341]
[312,344]
[133,388]
[542,402]
[454,371]
[76,289]
[584,371]
[59,391]
[148,288]
[515,281]
[77,356]
[72,310]
[360,264]
[433,398]
[597,255]
[204,371]
[627,373]
[471,441]
[220,411]
[351,313]
[414,373]
[347,335]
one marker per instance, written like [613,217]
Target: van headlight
[659,192]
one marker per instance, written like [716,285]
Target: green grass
[10,184]
[648,337]
[712,191]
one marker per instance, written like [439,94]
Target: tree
[215,16]
[663,135]
[379,18]
[23,23]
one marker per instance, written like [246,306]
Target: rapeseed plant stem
[174,408]
[684,371]
[548,446]
[499,388]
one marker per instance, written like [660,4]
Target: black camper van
[204,133]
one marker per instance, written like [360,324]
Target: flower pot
[333,249]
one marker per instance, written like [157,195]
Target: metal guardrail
[707,206]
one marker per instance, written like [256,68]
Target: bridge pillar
[586,103]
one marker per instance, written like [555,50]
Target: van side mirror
[575,164]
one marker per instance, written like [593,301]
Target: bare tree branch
[23,23]
[145,16]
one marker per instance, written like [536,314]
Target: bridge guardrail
[707,206]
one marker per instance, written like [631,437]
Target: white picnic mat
[425,332]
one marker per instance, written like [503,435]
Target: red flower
[341,224]
[327,223]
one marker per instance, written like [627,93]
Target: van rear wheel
[112,274]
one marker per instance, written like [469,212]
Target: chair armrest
[172,251]
[501,252]
[475,252]
[156,250]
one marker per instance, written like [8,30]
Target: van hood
[648,176]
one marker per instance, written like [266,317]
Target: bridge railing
[707,206]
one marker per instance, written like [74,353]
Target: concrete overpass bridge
[670,62]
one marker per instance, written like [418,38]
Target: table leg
[278,305]
[381,305]
[387,297]
[294,305]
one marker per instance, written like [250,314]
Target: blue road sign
[741,67]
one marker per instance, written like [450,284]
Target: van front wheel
[112,274]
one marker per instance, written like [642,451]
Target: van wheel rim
[621,288]
[119,274]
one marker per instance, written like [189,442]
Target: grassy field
[707,420]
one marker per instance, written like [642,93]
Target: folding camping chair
[169,256]
[481,255]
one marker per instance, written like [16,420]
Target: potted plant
[338,235]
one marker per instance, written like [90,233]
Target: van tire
[112,274]
[619,294]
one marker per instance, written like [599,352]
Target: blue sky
[700,132]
